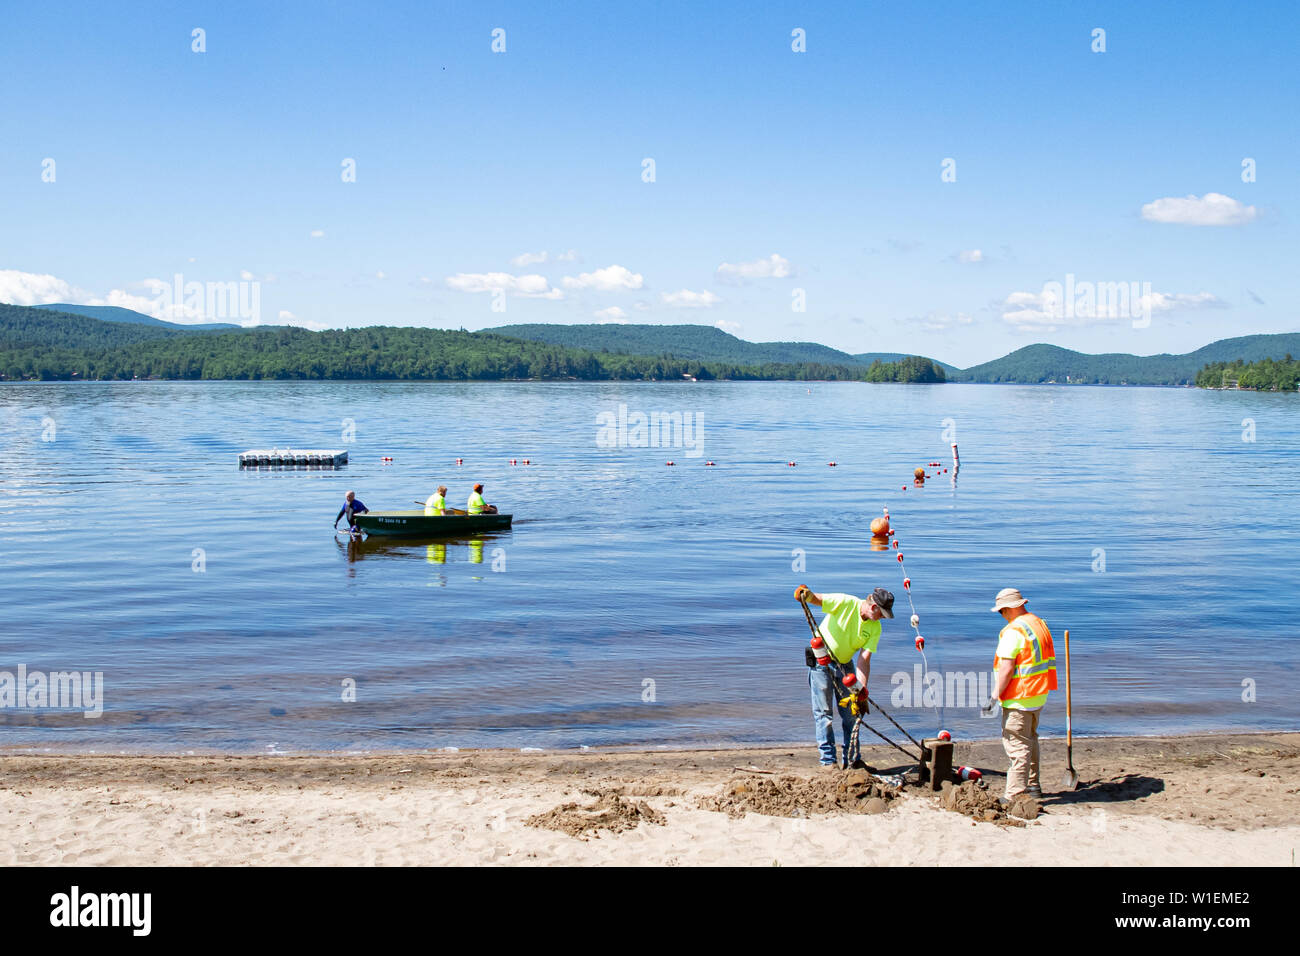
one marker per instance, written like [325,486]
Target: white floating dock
[292,457]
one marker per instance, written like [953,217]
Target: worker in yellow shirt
[477,506]
[851,630]
[1024,674]
[436,504]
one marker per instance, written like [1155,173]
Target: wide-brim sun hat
[1008,598]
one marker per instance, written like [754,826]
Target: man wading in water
[351,508]
[851,626]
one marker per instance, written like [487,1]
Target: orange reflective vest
[1034,670]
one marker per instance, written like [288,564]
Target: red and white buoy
[819,651]
[969,773]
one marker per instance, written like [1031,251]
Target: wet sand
[1207,800]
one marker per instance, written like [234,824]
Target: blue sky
[775,170]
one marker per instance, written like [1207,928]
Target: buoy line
[915,621]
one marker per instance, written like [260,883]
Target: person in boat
[851,630]
[437,502]
[477,506]
[352,507]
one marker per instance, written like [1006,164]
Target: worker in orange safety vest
[1024,674]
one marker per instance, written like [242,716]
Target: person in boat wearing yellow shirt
[1024,674]
[851,630]
[477,506]
[437,502]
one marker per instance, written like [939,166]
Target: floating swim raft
[292,457]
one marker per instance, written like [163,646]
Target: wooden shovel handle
[1069,730]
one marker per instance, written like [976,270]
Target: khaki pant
[1020,741]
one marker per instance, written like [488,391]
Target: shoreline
[22,750]
[1222,800]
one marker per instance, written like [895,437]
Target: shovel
[1071,778]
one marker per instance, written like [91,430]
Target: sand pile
[974,799]
[854,791]
[611,811]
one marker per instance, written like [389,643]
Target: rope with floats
[915,619]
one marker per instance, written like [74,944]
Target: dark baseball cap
[885,599]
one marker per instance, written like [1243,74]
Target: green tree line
[913,368]
[1265,375]
[376,353]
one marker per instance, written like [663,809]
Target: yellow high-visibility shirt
[843,628]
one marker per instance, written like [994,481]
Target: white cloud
[29,288]
[523,260]
[380,275]
[942,322]
[608,279]
[318,233]
[727,326]
[970,255]
[526,259]
[612,315]
[245,275]
[1096,303]
[686,299]
[1212,209]
[773,267]
[287,316]
[529,286]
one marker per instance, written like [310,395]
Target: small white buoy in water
[915,620]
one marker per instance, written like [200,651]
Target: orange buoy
[919,474]
[880,527]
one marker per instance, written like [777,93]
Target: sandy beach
[1209,800]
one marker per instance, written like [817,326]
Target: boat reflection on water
[433,550]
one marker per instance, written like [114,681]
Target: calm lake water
[632,603]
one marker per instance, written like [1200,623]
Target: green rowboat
[416,524]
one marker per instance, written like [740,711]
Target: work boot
[1035,792]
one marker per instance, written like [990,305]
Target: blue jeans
[826,690]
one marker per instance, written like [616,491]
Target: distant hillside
[53,346]
[702,342]
[33,327]
[1036,364]
[113,313]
